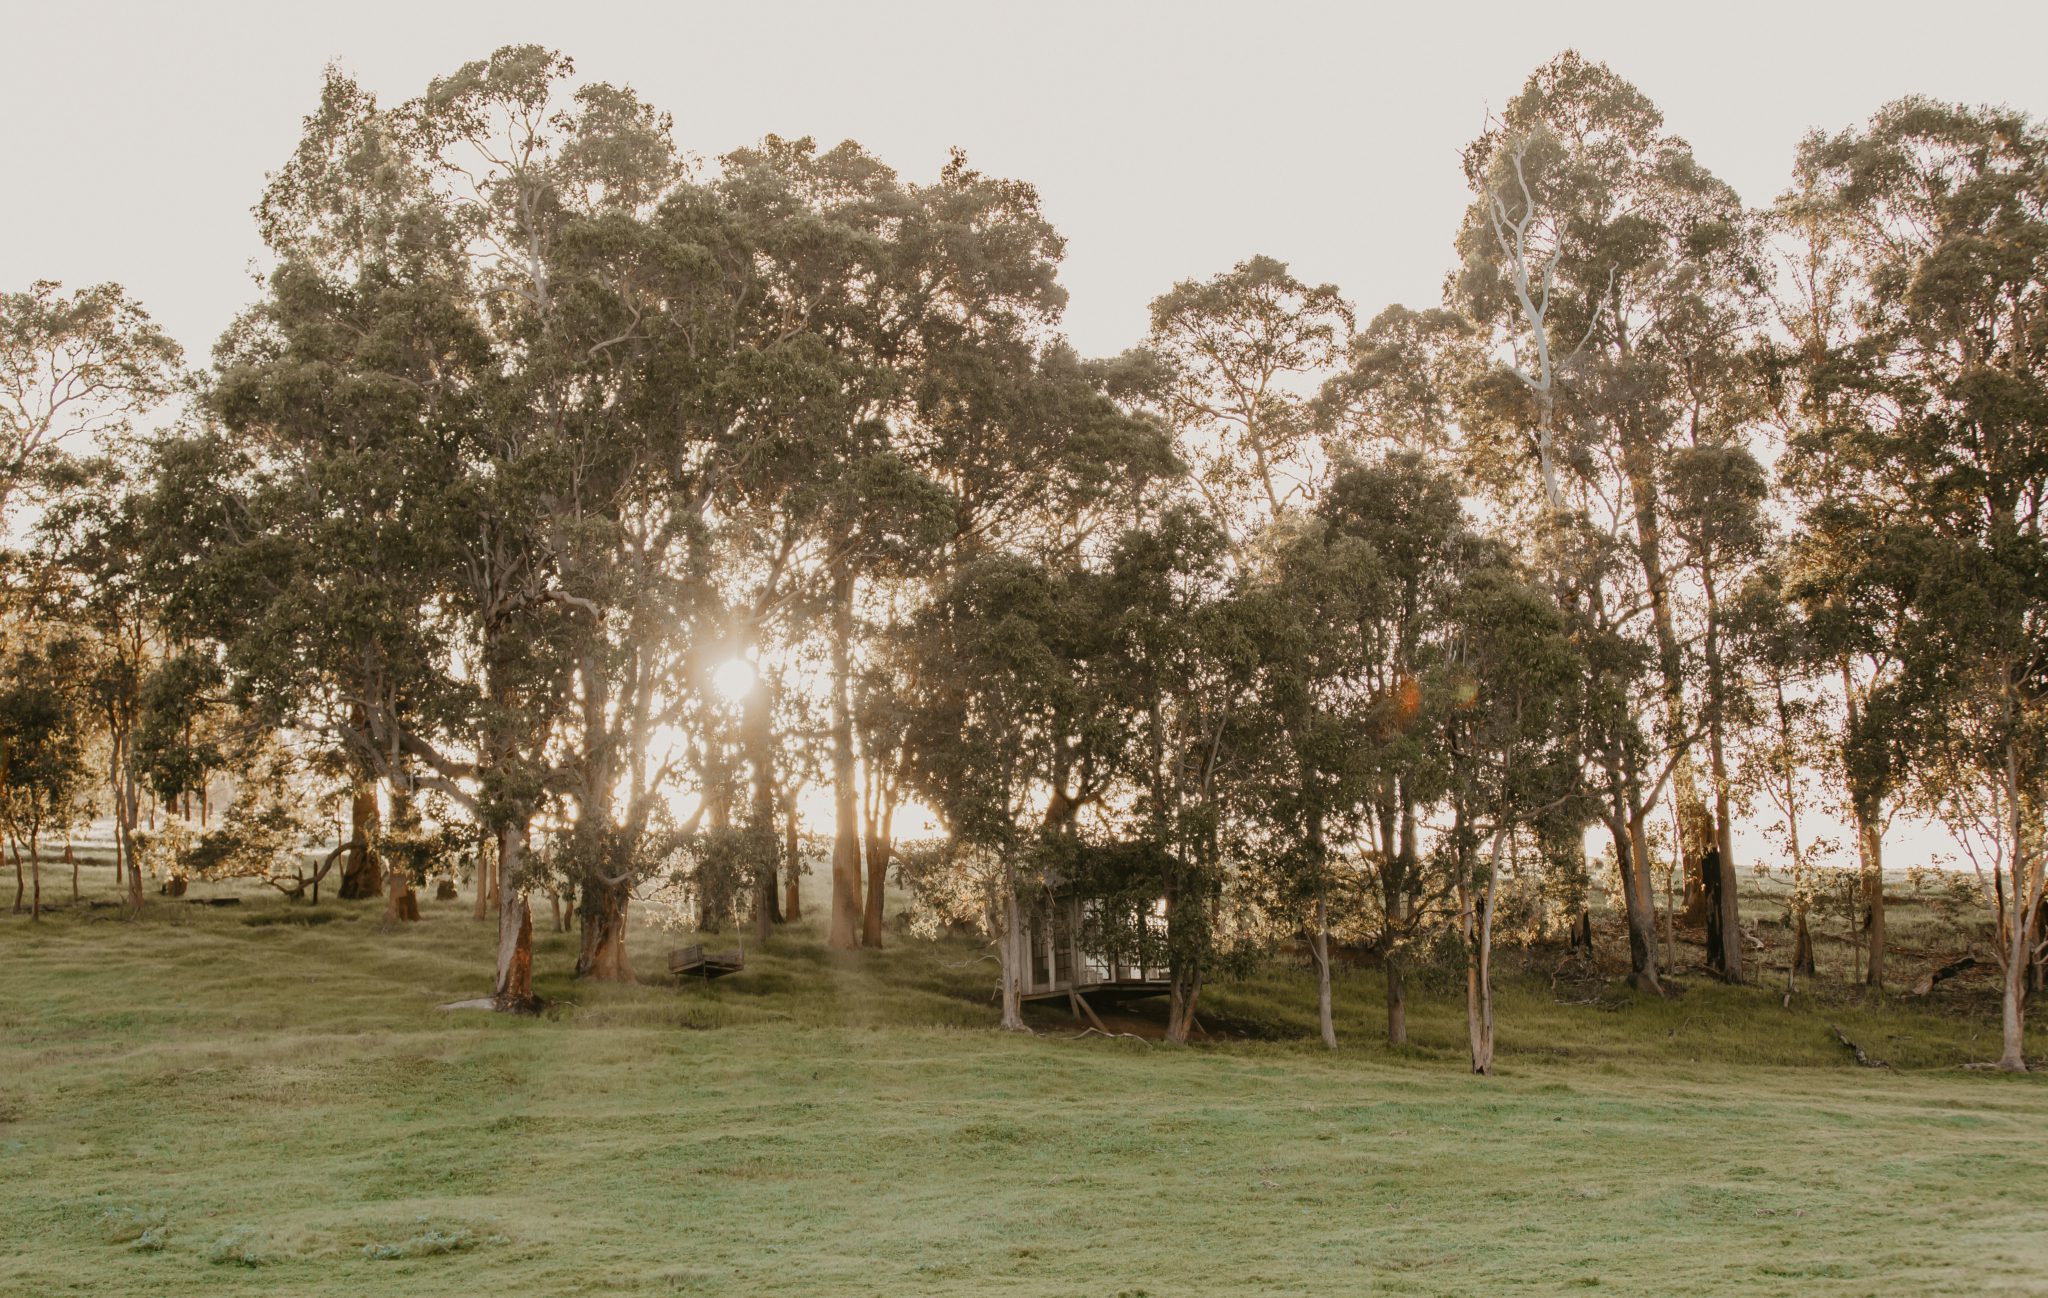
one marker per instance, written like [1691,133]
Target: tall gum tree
[1608,262]
[1940,213]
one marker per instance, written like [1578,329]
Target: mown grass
[233,1100]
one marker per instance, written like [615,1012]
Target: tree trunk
[1477,916]
[846,898]
[514,986]
[403,904]
[602,907]
[1395,899]
[757,726]
[2013,1008]
[1710,873]
[1011,951]
[1866,806]
[127,810]
[483,872]
[363,874]
[1694,829]
[881,848]
[793,901]
[1319,944]
[1631,846]
[1870,851]
[1180,1017]
[35,872]
[1802,944]
[1727,890]
[1397,1002]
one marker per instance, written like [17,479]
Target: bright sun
[733,679]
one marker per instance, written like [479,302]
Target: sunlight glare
[734,679]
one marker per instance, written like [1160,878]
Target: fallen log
[1943,974]
[1862,1058]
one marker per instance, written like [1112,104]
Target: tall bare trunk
[846,898]
[1319,933]
[1694,829]
[881,845]
[127,811]
[2029,879]
[403,904]
[602,909]
[2013,1015]
[1326,1018]
[1011,951]
[1319,944]
[483,872]
[1631,855]
[1180,1015]
[757,728]
[1477,918]
[1396,905]
[793,862]
[1724,827]
[514,986]
[1870,854]
[362,874]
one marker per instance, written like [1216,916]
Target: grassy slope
[850,1125]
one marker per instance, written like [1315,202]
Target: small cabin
[1089,946]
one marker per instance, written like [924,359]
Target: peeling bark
[602,910]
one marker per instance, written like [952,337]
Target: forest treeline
[564,507]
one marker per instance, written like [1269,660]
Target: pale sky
[1168,140]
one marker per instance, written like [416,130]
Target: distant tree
[1513,680]
[1717,494]
[45,723]
[1617,277]
[1943,211]
[76,369]
[1245,348]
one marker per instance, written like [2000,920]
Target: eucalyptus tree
[1245,348]
[45,724]
[414,400]
[1616,277]
[1513,680]
[1786,747]
[100,543]
[926,310]
[1302,785]
[1182,666]
[1842,582]
[1942,212]
[1405,526]
[1012,726]
[77,370]
[1352,605]
[1717,494]
[1403,385]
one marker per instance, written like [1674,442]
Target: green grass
[220,1101]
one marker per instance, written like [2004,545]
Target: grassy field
[264,1099]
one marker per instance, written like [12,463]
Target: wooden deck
[694,962]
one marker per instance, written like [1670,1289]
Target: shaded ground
[264,1099]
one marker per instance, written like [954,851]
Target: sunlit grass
[220,1101]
